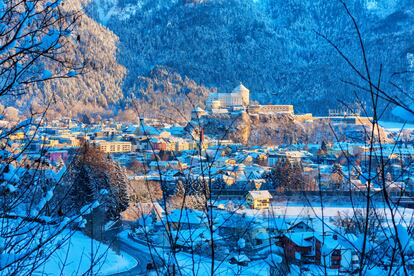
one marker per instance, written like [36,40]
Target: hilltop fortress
[235,102]
[232,115]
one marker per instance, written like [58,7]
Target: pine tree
[118,190]
[287,176]
[92,176]
[337,176]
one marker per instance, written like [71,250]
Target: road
[142,260]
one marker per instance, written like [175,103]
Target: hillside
[277,129]
[269,45]
[164,93]
[98,88]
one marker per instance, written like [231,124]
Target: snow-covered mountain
[97,88]
[106,9]
[269,45]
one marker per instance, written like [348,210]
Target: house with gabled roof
[183,219]
[258,199]
[300,226]
[302,247]
[339,253]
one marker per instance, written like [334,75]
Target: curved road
[141,257]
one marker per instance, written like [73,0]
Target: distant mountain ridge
[269,45]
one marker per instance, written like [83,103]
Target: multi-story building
[258,199]
[239,99]
[114,146]
[240,96]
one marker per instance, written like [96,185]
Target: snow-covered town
[206,137]
[261,209]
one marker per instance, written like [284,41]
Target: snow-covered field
[395,126]
[329,211]
[74,257]
[331,208]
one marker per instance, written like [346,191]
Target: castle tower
[244,93]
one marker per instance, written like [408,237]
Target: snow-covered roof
[195,236]
[241,258]
[260,194]
[301,238]
[273,259]
[273,249]
[262,236]
[189,216]
[148,130]
[131,128]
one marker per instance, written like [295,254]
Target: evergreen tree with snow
[286,176]
[92,176]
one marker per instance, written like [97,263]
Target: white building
[240,96]
[238,100]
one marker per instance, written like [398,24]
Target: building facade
[258,199]
[114,146]
[240,96]
[236,100]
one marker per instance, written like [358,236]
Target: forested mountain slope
[97,86]
[269,45]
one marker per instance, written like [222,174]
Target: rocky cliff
[253,129]
[280,128]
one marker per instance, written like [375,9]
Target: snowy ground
[331,211]
[395,126]
[77,252]
[202,265]
[331,208]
